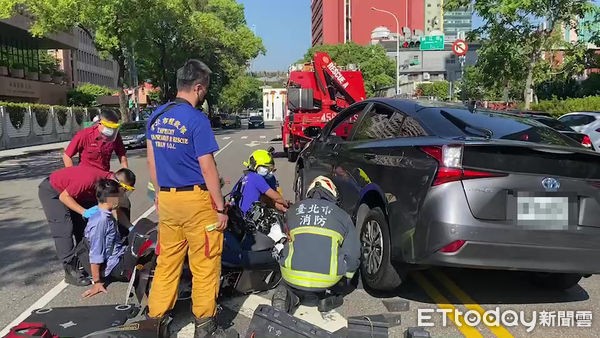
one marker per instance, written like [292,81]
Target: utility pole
[136,104]
[397,45]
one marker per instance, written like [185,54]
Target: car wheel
[556,281]
[299,185]
[376,267]
[292,155]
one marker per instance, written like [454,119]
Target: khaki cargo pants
[183,218]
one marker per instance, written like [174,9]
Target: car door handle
[369,156]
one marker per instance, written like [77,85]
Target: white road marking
[226,138]
[145,214]
[244,137]
[253,144]
[263,136]
[220,150]
[56,290]
[278,136]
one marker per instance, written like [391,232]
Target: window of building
[348,21]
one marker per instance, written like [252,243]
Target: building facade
[340,21]
[21,77]
[89,67]
[434,17]
[457,23]
[418,66]
[274,100]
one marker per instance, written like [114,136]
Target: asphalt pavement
[31,276]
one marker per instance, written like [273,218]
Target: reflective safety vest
[323,245]
[312,279]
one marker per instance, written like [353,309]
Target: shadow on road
[279,154]
[19,265]
[39,166]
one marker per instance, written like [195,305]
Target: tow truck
[316,92]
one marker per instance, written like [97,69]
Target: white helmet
[323,183]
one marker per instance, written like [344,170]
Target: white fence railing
[22,127]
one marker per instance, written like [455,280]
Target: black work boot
[74,276]
[207,328]
[163,326]
[284,299]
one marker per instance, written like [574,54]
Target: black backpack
[237,222]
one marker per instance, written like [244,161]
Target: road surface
[31,276]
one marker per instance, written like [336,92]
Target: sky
[284,26]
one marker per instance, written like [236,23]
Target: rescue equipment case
[271,322]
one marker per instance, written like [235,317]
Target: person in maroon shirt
[96,144]
[65,197]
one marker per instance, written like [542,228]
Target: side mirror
[312,132]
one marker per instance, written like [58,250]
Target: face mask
[108,132]
[262,171]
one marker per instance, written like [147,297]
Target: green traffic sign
[435,42]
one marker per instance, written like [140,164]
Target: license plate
[543,212]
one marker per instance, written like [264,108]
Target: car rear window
[577,120]
[133,125]
[255,118]
[460,123]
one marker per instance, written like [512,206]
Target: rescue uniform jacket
[323,245]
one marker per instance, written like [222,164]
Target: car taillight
[449,158]
[453,247]
[586,142]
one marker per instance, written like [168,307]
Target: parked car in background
[560,127]
[586,123]
[134,134]
[215,121]
[434,184]
[231,121]
[256,121]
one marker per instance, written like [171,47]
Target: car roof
[412,107]
[589,113]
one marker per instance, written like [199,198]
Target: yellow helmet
[324,183]
[259,158]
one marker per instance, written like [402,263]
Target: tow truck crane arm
[330,81]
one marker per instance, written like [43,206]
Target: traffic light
[411,44]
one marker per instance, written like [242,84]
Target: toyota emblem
[550,184]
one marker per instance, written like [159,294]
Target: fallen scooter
[247,262]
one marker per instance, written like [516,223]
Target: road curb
[29,153]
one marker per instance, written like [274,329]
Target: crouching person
[103,243]
[323,250]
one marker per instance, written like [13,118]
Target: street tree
[515,41]
[112,25]
[377,68]
[242,92]
[213,31]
